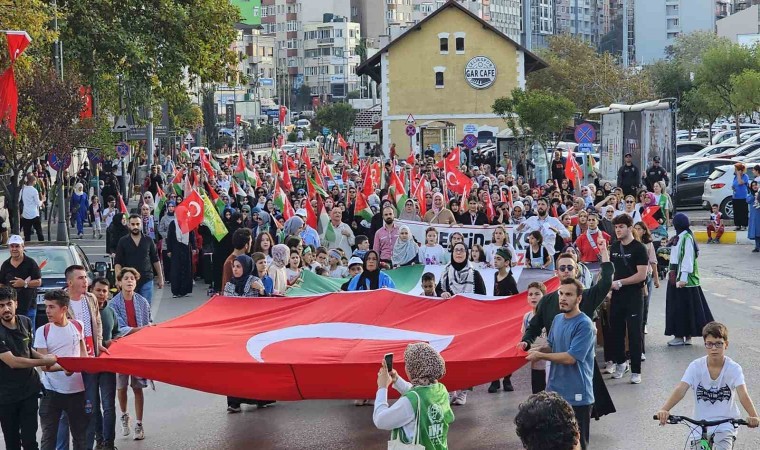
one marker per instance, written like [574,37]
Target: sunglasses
[565,268]
[629,201]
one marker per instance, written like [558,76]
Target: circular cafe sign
[480,72]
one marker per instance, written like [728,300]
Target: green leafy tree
[688,49]
[700,104]
[542,114]
[746,91]
[338,116]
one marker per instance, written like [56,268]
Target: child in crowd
[334,266]
[432,253]
[294,267]
[478,257]
[96,217]
[715,225]
[322,271]
[499,239]
[537,256]
[504,284]
[322,256]
[243,283]
[663,259]
[261,271]
[428,285]
[536,290]
[307,257]
[362,246]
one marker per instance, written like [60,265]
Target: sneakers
[609,368]
[646,329]
[460,399]
[620,370]
[508,384]
[494,387]
[687,341]
[635,378]
[233,409]
[643,357]
[675,342]
[139,432]
[125,424]
[360,402]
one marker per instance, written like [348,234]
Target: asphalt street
[178,418]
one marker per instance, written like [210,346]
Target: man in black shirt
[655,174]
[23,274]
[139,252]
[630,259]
[19,382]
[628,176]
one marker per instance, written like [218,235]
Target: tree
[721,63]
[588,79]
[339,117]
[688,49]
[670,79]
[746,91]
[303,98]
[700,104]
[541,113]
[48,119]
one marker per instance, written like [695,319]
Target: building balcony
[325,41]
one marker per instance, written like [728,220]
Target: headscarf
[149,201]
[403,215]
[437,210]
[424,364]
[241,281]
[280,255]
[458,277]
[292,226]
[681,224]
[265,221]
[79,188]
[404,251]
[651,200]
[117,228]
[373,276]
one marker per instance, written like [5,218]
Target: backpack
[46,330]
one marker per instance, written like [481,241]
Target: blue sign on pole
[57,163]
[470,141]
[585,147]
[325,131]
[122,149]
[585,133]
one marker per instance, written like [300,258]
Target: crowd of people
[565,226]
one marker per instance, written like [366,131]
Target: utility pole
[62,230]
[625,33]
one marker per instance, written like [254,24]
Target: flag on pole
[451,160]
[306,159]
[490,210]
[218,202]
[315,189]
[322,219]
[160,202]
[282,202]
[212,219]
[287,183]
[368,187]
[573,170]
[419,194]
[355,156]
[362,208]
[190,212]
[311,216]
[17,42]
[242,172]
[205,165]
[176,182]
[122,206]
[396,192]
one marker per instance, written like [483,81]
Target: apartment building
[580,18]
[330,58]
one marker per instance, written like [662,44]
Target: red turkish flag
[355,157]
[306,159]
[282,114]
[311,216]
[292,346]
[190,212]
[451,160]
[419,194]
[18,41]
[456,181]
[490,210]
[573,171]
[286,181]
[122,206]
[648,217]
[342,142]
[368,188]
[85,92]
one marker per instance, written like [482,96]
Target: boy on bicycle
[716,380]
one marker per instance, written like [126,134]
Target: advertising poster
[632,136]
[657,139]
[611,152]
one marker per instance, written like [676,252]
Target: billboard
[250,11]
[611,152]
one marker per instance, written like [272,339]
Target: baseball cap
[301,212]
[355,260]
[16,239]
[627,154]
[656,159]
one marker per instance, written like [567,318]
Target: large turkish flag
[322,347]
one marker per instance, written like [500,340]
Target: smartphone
[389,361]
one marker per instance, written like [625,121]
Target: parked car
[691,177]
[53,259]
[685,148]
[718,189]
[746,136]
[304,124]
[721,136]
[196,151]
[706,152]
[737,152]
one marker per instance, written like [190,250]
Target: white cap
[16,239]
[301,212]
[355,260]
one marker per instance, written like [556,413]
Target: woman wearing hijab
[292,228]
[243,283]
[409,212]
[223,249]
[280,256]
[686,309]
[371,277]
[148,200]
[79,205]
[117,230]
[405,250]
[410,417]
[179,248]
[439,214]
[459,277]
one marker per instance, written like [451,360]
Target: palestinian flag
[362,208]
[176,182]
[396,192]
[242,172]
[160,202]
[315,188]
[205,164]
[217,202]
[282,202]
[322,219]
[236,189]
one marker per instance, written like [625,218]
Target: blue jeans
[146,290]
[91,396]
[105,420]
[32,314]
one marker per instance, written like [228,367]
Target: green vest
[693,278]
[435,416]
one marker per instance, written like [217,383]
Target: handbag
[396,444]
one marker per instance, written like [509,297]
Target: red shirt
[587,252]
[131,315]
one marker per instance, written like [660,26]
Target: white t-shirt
[61,341]
[32,203]
[434,255]
[714,399]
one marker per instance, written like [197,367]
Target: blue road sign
[585,133]
[325,131]
[95,157]
[122,149]
[470,141]
[57,163]
[585,147]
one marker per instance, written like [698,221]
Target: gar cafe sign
[480,72]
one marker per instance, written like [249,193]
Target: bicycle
[705,441]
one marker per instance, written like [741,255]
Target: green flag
[212,220]
[330,235]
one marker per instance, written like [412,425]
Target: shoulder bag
[397,444]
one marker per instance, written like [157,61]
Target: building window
[439,70]
[459,42]
[443,43]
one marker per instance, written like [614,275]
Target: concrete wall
[743,22]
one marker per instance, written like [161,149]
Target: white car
[719,188]
[712,150]
[195,153]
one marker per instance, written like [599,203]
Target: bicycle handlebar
[702,423]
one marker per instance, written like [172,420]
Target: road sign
[585,133]
[410,120]
[121,125]
[189,138]
[325,131]
[470,141]
[57,163]
[122,149]
[470,128]
[411,130]
[95,157]
[586,147]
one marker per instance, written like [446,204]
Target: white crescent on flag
[451,179]
[342,330]
[196,207]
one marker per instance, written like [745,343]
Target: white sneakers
[620,370]
[675,342]
[609,368]
[125,424]
[460,398]
[635,378]
[139,432]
